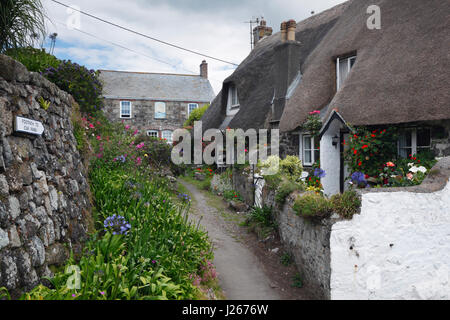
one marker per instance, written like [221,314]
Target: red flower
[365,146]
[355,152]
[373,136]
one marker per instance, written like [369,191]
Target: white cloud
[213,27]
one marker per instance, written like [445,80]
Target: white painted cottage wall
[330,159]
[397,248]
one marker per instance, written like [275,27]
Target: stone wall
[397,247]
[44,193]
[143,114]
[308,241]
[243,184]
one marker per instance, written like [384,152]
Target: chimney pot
[291,26]
[283,31]
[204,69]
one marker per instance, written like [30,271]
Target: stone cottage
[395,76]
[154,103]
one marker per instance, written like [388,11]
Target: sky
[216,28]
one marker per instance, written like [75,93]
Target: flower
[140,146]
[358,178]
[102,293]
[390,164]
[117,224]
[319,173]
[415,169]
[127,127]
[410,176]
[99,138]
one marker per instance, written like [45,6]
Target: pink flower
[127,127]
[139,161]
[140,146]
[99,138]
[102,293]
[135,132]
[99,156]
[410,176]
[91,126]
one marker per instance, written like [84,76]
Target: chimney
[261,31]
[284,31]
[204,70]
[287,64]
[291,26]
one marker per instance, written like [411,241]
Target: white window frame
[338,72]
[414,147]
[169,141]
[165,110]
[149,132]
[313,150]
[189,107]
[131,110]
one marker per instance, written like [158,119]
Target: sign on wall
[28,126]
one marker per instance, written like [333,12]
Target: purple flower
[319,173]
[359,179]
[117,224]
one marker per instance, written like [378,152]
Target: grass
[297,281]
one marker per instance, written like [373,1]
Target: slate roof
[155,86]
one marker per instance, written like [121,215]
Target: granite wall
[44,193]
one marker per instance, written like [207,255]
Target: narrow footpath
[241,274]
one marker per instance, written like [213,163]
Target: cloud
[213,27]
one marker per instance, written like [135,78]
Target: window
[160,110]
[125,109]
[414,141]
[167,135]
[233,98]
[153,133]
[343,67]
[192,107]
[310,150]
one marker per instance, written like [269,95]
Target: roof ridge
[160,73]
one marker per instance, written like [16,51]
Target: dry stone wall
[44,193]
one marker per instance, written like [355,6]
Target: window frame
[233,89]
[171,136]
[414,147]
[120,110]
[189,107]
[165,110]
[312,150]
[349,68]
[153,131]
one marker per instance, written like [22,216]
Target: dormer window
[233,100]
[343,67]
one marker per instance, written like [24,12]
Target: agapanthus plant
[116,225]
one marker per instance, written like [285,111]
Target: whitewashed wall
[397,248]
[330,159]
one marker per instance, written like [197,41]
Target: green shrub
[292,168]
[312,205]
[263,216]
[286,259]
[36,60]
[83,84]
[297,281]
[346,204]
[196,115]
[285,189]
[232,195]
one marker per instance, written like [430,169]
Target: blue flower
[319,173]
[359,178]
[117,225]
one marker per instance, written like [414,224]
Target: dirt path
[241,274]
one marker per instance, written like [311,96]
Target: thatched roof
[401,73]
[256,75]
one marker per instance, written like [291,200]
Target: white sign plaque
[29,126]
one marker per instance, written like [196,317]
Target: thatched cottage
[395,75]
[155,103]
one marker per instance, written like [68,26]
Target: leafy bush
[232,195]
[368,150]
[313,123]
[36,60]
[22,23]
[346,204]
[196,115]
[292,168]
[83,84]
[285,189]
[263,216]
[286,259]
[312,205]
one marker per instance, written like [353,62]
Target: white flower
[410,164]
[422,169]
[417,169]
